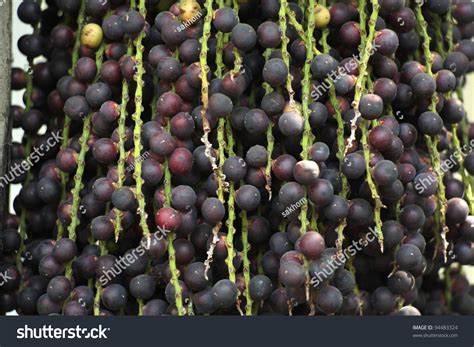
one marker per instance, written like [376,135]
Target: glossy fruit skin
[143,287]
[256,121]
[213,211]
[311,244]
[133,22]
[385,172]
[275,72]
[322,65]
[76,107]
[408,257]
[350,34]
[387,42]
[380,138]
[162,143]
[423,85]
[248,197]
[457,63]
[406,22]
[306,172]
[371,106]
[220,105]
[430,123]
[114,297]
[336,209]
[243,36]
[124,199]
[181,161]
[97,94]
[329,300]
[269,35]
[291,123]
[260,287]
[168,219]
[225,293]
[383,300]
[225,19]
[445,81]
[386,89]
[29,12]
[353,166]
[59,288]
[169,104]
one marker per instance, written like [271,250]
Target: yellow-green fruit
[190,10]
[91,35]
[322,17]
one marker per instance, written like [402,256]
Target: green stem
[468,182]
[366,48]
[230,234]
[205,90]
[308,137]
[98,287]
[78,177]
[246,263]
[220,179]
[449,33]
[439,36]
[231,211]
[138,125]
[237,62]
[170,238]
[121,144]
[219,60]
[67,120]
[224,129]
[372,186]
[284,46]
[235,51]
[270,139]
[175,274]
[340,137]
[433,142]
[462,170]
[300,30]
[81,158]
[137,135]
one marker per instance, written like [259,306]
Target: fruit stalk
[372,186]
[98,286]
[284,47]
[270,139]
[246,263]
[366,48]
[433,142]
[138,125]
[205,122]
[170,238]
[75,57]
[224,130]
[468,182]
[86,129]
[340,136]
[67,120]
